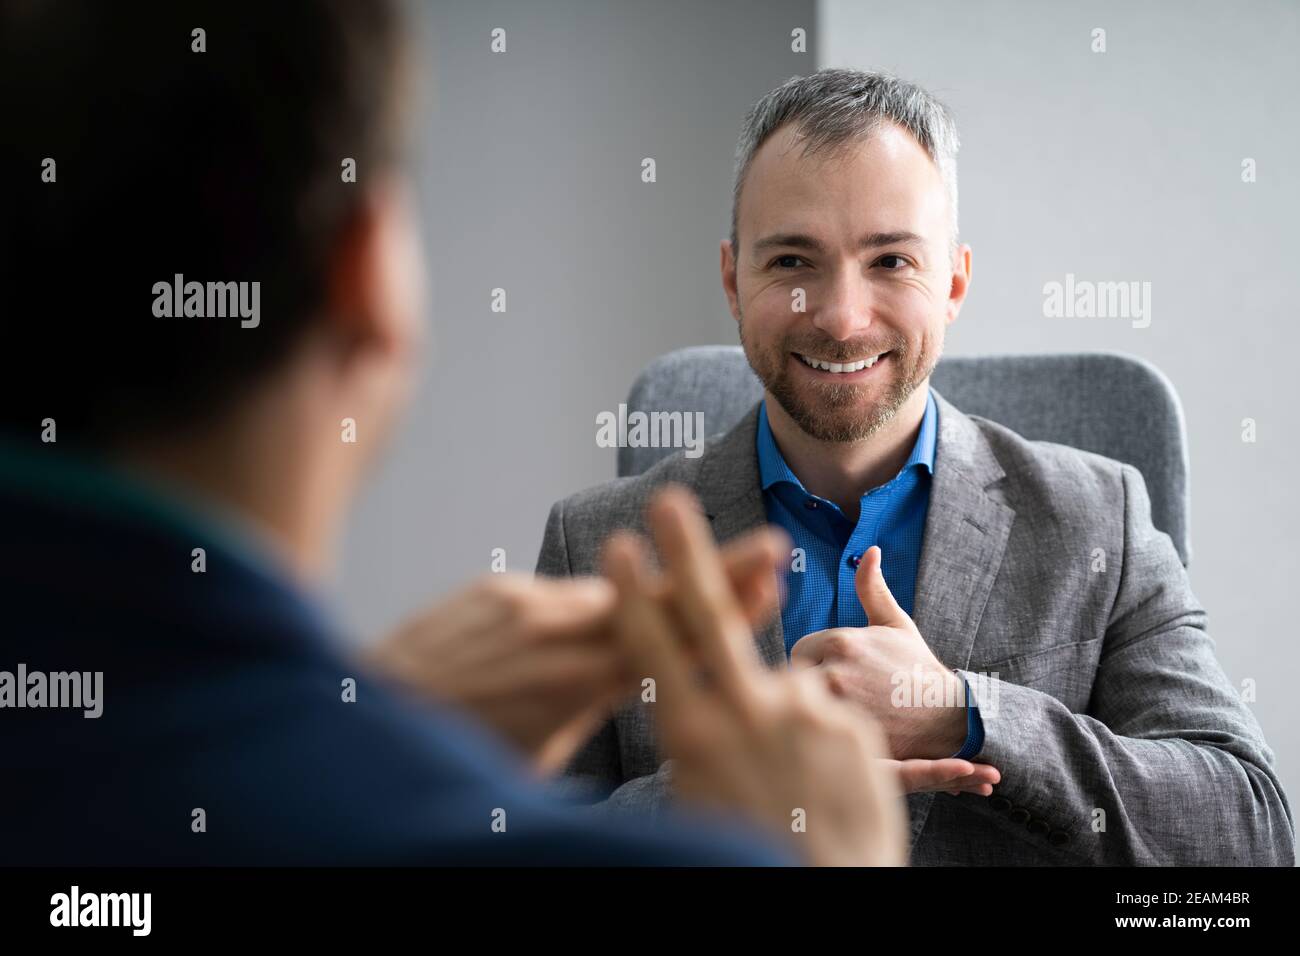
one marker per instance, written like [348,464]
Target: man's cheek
[775,304]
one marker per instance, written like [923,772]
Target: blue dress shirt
[820,590]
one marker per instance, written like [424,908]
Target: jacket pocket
[1066,671]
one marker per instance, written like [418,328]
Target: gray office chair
[1115,405]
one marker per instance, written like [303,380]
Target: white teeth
[838,366]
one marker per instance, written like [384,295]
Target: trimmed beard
[822,410]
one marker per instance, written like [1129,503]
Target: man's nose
[842,307]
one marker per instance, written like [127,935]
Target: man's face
[864,231]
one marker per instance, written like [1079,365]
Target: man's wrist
[945,722]
[955,726]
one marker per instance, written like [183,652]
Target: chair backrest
[1115,405]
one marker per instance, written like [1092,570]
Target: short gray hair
[831,108]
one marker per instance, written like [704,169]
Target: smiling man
[1064,717]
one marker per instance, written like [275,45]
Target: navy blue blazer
[223,692]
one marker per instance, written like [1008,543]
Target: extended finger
[702,594]
[643,631]
[751,564]
[570,609]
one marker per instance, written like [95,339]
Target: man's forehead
[885,176]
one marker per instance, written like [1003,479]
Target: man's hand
[774,745]
[531,658]
[534,658]
[887,664]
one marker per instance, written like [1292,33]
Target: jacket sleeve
[1168,766]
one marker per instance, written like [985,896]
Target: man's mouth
[841,368]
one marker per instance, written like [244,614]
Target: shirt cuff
[974,728]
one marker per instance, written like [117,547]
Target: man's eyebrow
[873,239]
[799,240]
[792,240]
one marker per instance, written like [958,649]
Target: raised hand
[774,746]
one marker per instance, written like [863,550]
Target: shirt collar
[773,470]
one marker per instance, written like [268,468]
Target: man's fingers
[751,567]
[950,774]
[701,592]
[643,631]
[560,747]
[877,600]
[809,650]
[564,670]
[920,775]
[571,608]
[580,609]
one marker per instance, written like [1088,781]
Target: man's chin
[840,413]
[835,421]
[840,430]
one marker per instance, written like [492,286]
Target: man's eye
[787,262]
[899,262]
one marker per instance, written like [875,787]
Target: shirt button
[855,560]
[810,504]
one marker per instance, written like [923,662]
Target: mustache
[833,350]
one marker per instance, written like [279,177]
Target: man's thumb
[877,600]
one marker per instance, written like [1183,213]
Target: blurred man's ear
[729,279]
[375,299]
[961,275]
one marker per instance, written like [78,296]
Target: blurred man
[213,290]
[939,578]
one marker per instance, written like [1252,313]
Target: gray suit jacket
[1118,736]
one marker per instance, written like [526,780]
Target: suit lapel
[730,491]
[966,532]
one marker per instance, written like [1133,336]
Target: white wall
[1126,165]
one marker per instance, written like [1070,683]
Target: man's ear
[961,275]
[372,301]
[729,279]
